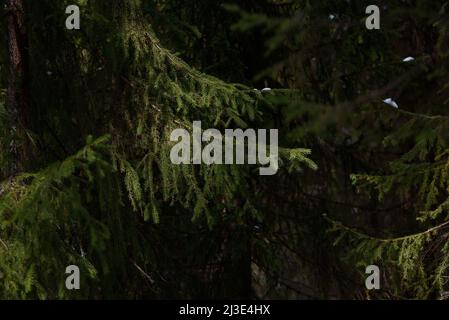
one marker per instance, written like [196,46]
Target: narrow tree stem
[18,88]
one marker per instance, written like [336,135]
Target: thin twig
[146,275]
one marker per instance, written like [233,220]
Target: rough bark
[18,87]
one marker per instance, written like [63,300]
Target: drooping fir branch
[420,260]
[97,207]
[337,225]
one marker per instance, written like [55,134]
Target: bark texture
[18,87]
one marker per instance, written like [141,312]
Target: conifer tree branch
[385,240]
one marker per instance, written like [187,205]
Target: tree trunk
[18,87]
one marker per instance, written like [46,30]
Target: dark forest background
[85,120]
